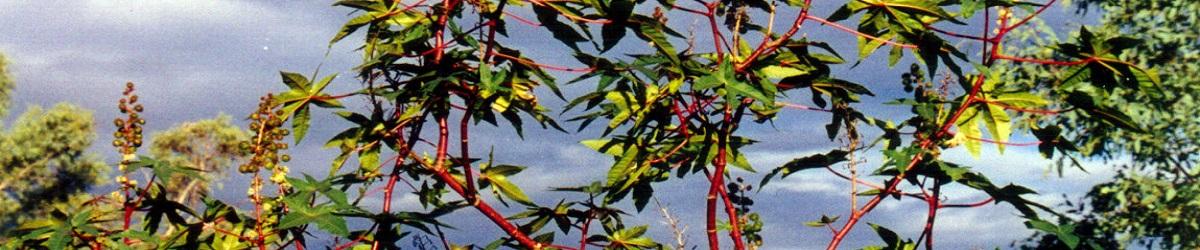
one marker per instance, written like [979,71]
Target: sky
[197,59]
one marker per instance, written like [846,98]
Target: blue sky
[196,59]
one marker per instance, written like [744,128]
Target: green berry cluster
[129,129]
[267,143]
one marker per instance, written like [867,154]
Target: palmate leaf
[300,213]
[1064,233]
[299,95]
[566,34]
[497,177]
[656,32]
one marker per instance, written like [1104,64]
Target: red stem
[716,32]
[440,171]
[976,204]
[855,32]
[933,207]
[895,182]
[768,47]
[1027,18]
[464,140]
[522,19]
[583,235]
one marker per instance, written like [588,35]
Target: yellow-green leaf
[779,72]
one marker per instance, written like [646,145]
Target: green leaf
[300,124]
[967,8]
[745,89]
[825,220]
[807,162]
[300,213]
[1021,99]
[620,170]
[368,158]
[606,146]
[352,25]
[509,190]
[969,132]
[294,80]
[652,31]
[999,124]
[779,72]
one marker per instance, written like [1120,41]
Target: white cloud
[815,182]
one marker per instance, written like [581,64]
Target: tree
[6,86]
[1152,201]
[206,146]
[45,166]
[431,70]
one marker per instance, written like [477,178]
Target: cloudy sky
[197,59]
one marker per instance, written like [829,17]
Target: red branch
[443,175]
[522,19]
[768,47]
[801,107]
[860,34]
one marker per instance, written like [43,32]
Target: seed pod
[118,122]
[137,108]
[129,85]
[117,143]
[285,158]
[133,98]
[246,168]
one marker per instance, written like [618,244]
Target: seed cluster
[265,147]
[128,137]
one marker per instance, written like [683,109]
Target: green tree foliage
[208,147]
[431,70]
[44,163]
[1154,199]
[6,86]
